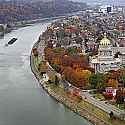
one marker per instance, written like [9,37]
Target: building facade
[105,60]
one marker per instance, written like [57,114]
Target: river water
[22,100]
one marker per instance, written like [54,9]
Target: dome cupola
[105,41]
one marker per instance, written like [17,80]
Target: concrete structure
[118,49]
[122,58]
[105,60]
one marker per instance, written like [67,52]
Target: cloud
[116,2]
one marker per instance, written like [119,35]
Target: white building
[105,9]
[122,58]
[105,60]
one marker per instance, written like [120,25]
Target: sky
[116,2]
[93,2]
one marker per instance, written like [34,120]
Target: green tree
[97,81]
[72,51]
[119,97]
[60,34]
[56,80]
[123,80]
[1,28]
[93,80]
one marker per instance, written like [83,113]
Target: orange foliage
[112,83]
[72,68]
[78,79]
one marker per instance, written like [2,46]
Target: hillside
[24,10]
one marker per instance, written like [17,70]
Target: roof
[105,41]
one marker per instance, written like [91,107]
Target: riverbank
[50,90]
[77,105]
[25,23]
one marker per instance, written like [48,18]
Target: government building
[105,60]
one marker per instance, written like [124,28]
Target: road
[101,104]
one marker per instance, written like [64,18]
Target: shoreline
[90,117]
[26,23]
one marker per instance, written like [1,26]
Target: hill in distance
[17,10]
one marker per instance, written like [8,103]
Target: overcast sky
[93,2]
[116,2]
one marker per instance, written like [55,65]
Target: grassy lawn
[94,110]
[120,106]
[99,96]
[100,113]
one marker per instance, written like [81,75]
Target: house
[110,93]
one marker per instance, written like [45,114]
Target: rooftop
[105,41]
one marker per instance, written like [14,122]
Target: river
[22,100]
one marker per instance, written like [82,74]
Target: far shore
[25,23]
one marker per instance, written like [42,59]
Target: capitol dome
[105,41]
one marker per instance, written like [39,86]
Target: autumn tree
[48,54]
[74,67]
[112,83]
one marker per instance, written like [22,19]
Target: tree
[1,28]
[66,60]
[119,97]
[97,81]
[113,75]
[56,67]
[60,34]
[76,78]
[112,83]
[80,80]
[123,80]
[93,81]
[35,52]
[78,40]
[72,51]
[56,80]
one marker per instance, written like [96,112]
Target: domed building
[105,60]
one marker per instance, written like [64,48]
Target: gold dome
[105,41]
